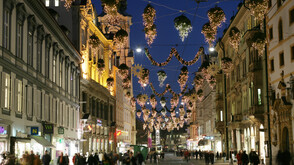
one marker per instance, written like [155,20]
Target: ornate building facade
[40,82]
[280,68]
[97,124]
[241,99]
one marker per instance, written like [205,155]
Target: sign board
[157,137]
[48,128]
[60,130]
[34,130]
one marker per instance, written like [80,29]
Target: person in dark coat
[155,156]
[244,158]
[133,159]
[61,159]
[96,158]
[255,159]
[206,157]
[251,155]
[46,158]
[211,156]
[140,158]
[91,160]
[286,157]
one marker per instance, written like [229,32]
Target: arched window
[280,28]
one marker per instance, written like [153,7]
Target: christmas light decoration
[123,71]
[161,77]
[137,70]
[126,83]
[216,16]
[120,38]
[110,83]
[183,25]
[258,42]
[209,33]
[174,52]
[227,65]
[133,102]
[153,101]
[198,81]
[162,102]
[141,99]
[183,77]
[110,8]
[200,94]
[167,89]
[258,8]
[148,22]
[234,38]
[94,41]
[144,79]
[174,101]
[101,66]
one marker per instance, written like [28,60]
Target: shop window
[281,56]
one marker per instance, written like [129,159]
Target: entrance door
[285,140]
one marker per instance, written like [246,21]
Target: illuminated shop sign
[34,130]
[99,122]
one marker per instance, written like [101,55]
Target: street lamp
[211,49]
[138,50]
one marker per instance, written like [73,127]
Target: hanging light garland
[123,71]
[94,41]
[258,8]
[133,102]
[209,33]
[200,94]
[234,38]
[142,99]
[174,101]
[183,25]
[139,113]
[110,84]
[126,83]
[137,70]
[148,22]
[153,101]
[101,66]
[67,3]
[216,16]
[110,8]
[120,38]
[227,65]
[198,81]
[183,77]
[174,52]
[144,79]
[258,42]
[161,77]
[128,95]
[162,102]
[167,89]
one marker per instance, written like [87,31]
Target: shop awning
[43,141]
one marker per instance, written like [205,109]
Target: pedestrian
[186,155]
[61,159]
[211,156]
[46,158]
[244,158]
[37,160]
[255,159]
[100,157]
[196,153]
[91,159]
[106,160]
[133,159]
[31,158]
[140,158]
[206,157]
[239,158]
[96,158]
[279,158]
[251,156]
[217,155]
[155,156]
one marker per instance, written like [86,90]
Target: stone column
[238,139]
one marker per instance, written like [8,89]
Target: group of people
[153,155]
[244,159]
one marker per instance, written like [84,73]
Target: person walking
[217,155]
[46,158]
[211,156]
[239,158]
[91,160]
[286,157]
[155,156]
[244,158]
[61,160]
[186,155]
[255,159]
[206,157]
[140,158]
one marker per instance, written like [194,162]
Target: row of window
[97,108]
[57,66]
[281,59]
[33,102]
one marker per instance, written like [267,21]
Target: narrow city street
[170,158]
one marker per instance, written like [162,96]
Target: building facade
[40,82]
[280,49]
[125,113]
[241,99]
